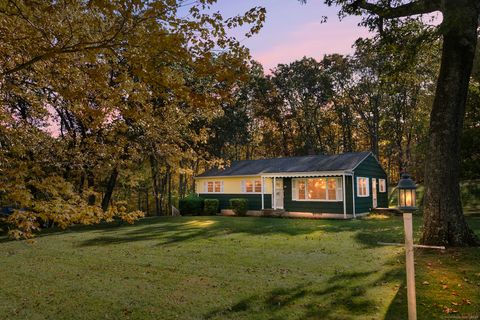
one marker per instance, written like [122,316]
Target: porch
[285,203]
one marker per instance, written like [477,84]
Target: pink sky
[293,30]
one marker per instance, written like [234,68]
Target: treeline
[106,103]
[377,99]
[110,108]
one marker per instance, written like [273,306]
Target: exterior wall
[316,206]
[254,200]
[232,185]
[370,168]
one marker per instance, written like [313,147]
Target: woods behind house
[108,109]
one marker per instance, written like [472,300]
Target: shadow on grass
[340,297]
[174,230]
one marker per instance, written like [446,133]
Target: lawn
[232,268]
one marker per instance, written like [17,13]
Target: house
[344,185]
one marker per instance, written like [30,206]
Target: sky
[293,30]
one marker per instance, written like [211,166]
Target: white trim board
[305,174]
[232,176]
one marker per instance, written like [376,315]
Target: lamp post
[407,204]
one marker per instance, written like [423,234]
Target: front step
[387,211]
[273,212]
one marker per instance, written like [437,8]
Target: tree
[444,222]
[124,82]
[471,133]
[306,90]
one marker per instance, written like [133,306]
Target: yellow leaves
[120,211]
[131,217]
[25,223]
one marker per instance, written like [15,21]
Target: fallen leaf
[449,310]
[425,283]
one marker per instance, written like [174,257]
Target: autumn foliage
[98,97]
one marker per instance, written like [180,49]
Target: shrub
[210,206]
[191,205]
[239,206]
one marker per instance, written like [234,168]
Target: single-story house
[348,184]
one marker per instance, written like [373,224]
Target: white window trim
[243,187]
[367,189]
[295,190]
[205,187]
[382,182]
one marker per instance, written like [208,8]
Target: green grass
[232,268]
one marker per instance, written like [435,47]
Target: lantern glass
[408,198]
[406,193]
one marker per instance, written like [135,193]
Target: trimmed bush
[239,206]
[192,205]
[210,207]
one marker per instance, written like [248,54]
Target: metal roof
[315,163]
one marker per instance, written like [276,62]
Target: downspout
[263,192]
[344,186]
[353,195]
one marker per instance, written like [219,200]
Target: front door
[278,193]
[374,192]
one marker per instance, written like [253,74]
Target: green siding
[254,200]
[370,168]
[315,206]
[349,195]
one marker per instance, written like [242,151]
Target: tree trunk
[146,201]
[444,222]
[112,181]
[156,195]
[91,183]
[169,192]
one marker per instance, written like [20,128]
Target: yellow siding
[231,185]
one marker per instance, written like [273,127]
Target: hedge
[191,205]
[239,206]
[211,206]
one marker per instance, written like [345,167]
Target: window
[251,186]
[248,186]
[301,190]
[363,188]
[258,186]
[382,185]
[317,189]
[214,186]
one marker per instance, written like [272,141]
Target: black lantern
[406,193]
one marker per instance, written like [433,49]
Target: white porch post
[344,186]
[274,204]
[353,195]
[263,191]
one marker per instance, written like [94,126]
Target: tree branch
[408,9]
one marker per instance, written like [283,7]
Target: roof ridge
[310,155]
[310,163]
